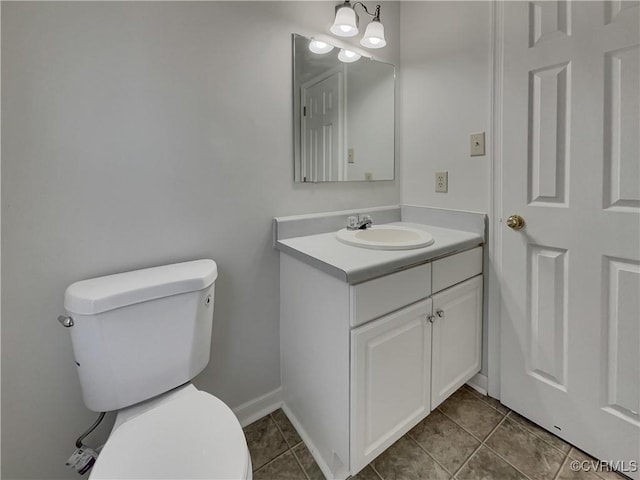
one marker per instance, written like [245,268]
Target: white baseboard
[257,408]
[310,445]
[479,382]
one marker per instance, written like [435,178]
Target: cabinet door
[457,338]
[390,380]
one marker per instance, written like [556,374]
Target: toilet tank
[138,334]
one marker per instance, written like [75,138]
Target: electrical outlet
[476,147]
[368,176]
[442,182]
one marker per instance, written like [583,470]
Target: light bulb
[346,22]
[319,47]
[374,35]
[348,56]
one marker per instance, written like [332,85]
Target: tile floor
[469,436]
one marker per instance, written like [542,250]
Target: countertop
[355,264]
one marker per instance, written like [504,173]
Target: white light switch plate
[476,147]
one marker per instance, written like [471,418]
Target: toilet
[139,338]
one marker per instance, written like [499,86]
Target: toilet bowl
[139,338]
[185,433]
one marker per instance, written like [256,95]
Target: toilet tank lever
[65,320]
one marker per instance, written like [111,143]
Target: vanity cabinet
[391,380]
[362,364]
[456,347]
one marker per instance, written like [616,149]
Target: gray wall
[445,96]
[445,86]
[137,134]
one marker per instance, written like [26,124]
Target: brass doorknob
[515,221]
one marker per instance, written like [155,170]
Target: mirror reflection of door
[323,128]
[353,139]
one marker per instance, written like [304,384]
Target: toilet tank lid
[101,294]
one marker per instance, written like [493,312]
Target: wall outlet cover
[442,182]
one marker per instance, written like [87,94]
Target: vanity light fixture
[346,20]
[345,23]
[319,47]
[348,56]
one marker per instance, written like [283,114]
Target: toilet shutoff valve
[82,460]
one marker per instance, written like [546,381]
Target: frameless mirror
[344,116]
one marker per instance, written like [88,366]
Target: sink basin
[386,237]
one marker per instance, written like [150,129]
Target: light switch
[350,158]
[477,144]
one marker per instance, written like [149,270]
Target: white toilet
[139,338]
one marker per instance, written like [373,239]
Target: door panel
[570,317]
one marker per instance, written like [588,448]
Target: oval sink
[386,237]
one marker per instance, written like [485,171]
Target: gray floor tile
[569,473]
[492,402]
[265,441]
[405,460]
[528,453]
[468,411]
[290,435]
[538,431]
[579,455]
[576,454]
[486,465]
[436,448]
[308,463]
[448,443]
[284,467]
[367,473]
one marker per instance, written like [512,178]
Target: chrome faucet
[354,222]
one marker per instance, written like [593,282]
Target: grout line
[468,459]
[429,454]
[512,419]
[564,462]
[482,398]
[272,460]
[464,428]
[288,449]
[478,447]
[498,454]
[291,447]
[375,471]
[304,471]
[507,462]
[280,430]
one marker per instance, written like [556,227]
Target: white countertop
[355,264]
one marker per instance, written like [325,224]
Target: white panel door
[322,128]
[570,334]
[456,342]
[390,380]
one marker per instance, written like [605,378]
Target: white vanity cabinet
[391,380]
[362,364]
[456,347]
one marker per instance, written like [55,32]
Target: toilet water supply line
[79,443]
[83,458]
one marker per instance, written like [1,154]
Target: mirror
[344,117]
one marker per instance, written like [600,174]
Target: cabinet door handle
[440,313]
[431,318]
